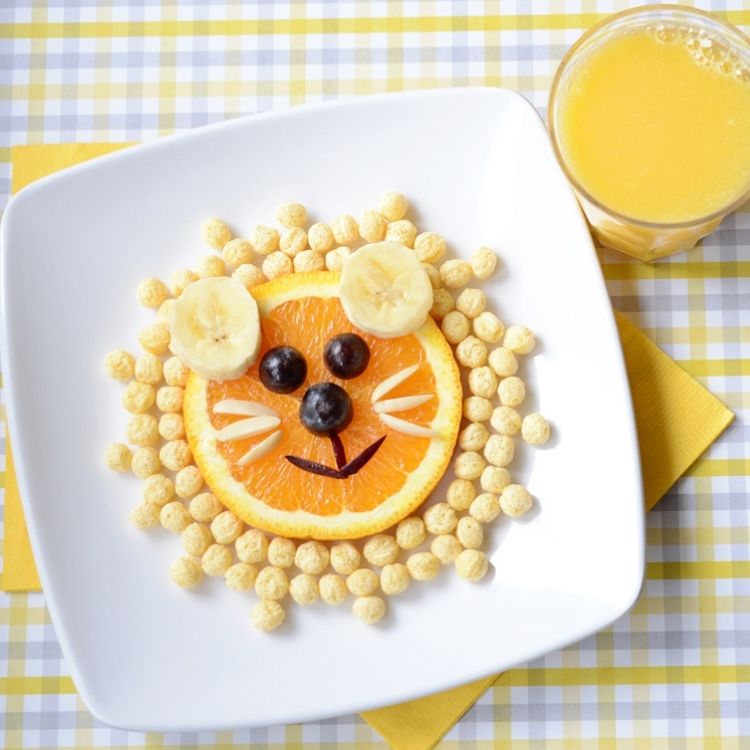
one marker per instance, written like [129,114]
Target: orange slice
[303,310]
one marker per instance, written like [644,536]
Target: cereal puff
[249,276]
[505,420]
[423,566]
[210,267]
[145,516]
[155,338]
[485,508]
[394,579]
[434,276]
[372,226]
[402,231]
[381,549]
[267,615]
[393,206]
[442,303]
[430,248]
[482,381]
[499,450]
[180,280]
[472,564]
[535,429]
[483,263]
[511,391]
[494,479]
[169,398]
[471,302]
[369,609]
[332,589]
[281,552]
[303,588]
[468,465]
[362,582]
[519,340]
[488,327]
[226,527]
[196,539]
[174,516]
[277,264]
[186,572]
[312,557]
[446,548]
[470,533]
[440,518]
[145,462]
[345,229]
[152,292]
[252,546]
[148,369]
[460,494]
[455,326]
[473,437]
[345,557]
[503,362]
[240,576]
[205,507]
[138,397]
[118,457]
[265,240]
[320,237]
[142,429]
[308,260]
[455,273]
[158,489]
[216,560]
[293,241]
[237,252]
[291,215]
[515,500]
[471,352]
[410,532]
[175,372]
[171,426]
[175,455]
[215,233]
[477,409]
[335,259]
[119,364]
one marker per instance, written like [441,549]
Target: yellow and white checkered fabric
[675,672]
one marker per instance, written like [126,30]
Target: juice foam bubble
[706,49]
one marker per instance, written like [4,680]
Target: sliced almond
[242,408]
[390,383]
[391,405]
[245,428]
[263,448]
[407,428]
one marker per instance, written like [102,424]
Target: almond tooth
[391,382]
[407,428]
[391,405]
[263,448]
[239,407]
[245,428]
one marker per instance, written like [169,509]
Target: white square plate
[146,655]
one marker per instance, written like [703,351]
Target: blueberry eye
[346,355]
[283,369]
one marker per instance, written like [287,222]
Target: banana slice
[384,290]
[216,328]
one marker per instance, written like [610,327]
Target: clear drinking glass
[645,240]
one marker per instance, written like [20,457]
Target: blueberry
[283,369]
[346,355]
[326,409]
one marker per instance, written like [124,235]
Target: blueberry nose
[326,409]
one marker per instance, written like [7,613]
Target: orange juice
[652,123]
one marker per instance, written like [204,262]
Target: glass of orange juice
[649,116]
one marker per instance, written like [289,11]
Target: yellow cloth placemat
[677,420]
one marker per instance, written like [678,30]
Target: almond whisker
[391,382]
[391,405]
[407,428]
[239,407]
[245,428]
[263,448]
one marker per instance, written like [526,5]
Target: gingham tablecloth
[675,672]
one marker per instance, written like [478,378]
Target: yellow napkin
[677,420]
